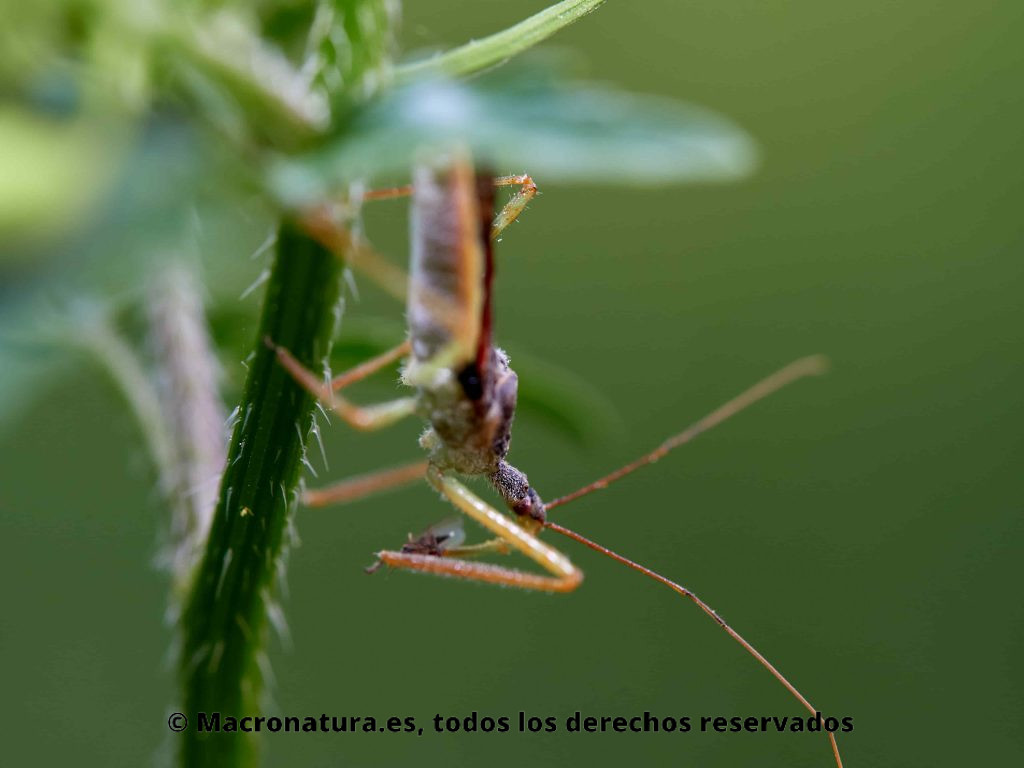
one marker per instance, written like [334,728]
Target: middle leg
[365,418]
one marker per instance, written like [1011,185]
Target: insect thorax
[470,415]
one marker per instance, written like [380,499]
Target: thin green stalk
[494,49]
[224,625]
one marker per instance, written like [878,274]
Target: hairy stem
[224,624]
[188,375]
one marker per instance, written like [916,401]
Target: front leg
[565,577]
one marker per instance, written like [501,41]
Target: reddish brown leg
[355,488]
[509,213]
[371,366]
[366,418]
[336,236]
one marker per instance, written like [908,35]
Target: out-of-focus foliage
[138,135]
[563,130]
[133,130]
[861,530]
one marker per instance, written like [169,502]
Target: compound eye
[531,506]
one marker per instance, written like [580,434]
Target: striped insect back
[466,389]
[446,281]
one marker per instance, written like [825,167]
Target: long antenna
[709,611]
[805,366]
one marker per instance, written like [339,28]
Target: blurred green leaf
[558,130]
[50,172]
[563,400]
[349,46]
[37,350]
[28,374]
[243,84]
[501,46]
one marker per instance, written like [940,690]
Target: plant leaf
[50,173]
[565,401]
[562,131]
[241,82]
[501,46]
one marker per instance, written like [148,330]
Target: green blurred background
[863,530]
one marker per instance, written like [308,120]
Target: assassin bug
[466,391]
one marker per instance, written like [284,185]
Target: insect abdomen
[446,292]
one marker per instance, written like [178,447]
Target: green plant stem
[224,625]
[494,49]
